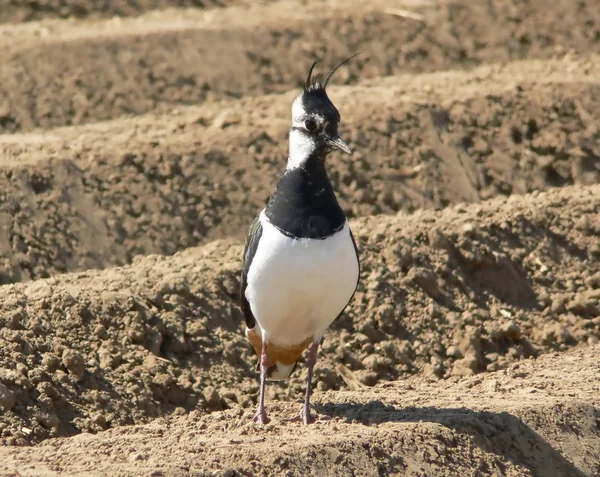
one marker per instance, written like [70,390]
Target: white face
[299,115]
[301,147]
[301,144]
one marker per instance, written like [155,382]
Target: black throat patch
[304,203]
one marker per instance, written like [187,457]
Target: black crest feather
[314,83]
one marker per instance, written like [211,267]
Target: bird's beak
[337,142]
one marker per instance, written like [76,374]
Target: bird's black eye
[310,125]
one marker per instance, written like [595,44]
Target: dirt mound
[102,70]
[96,196]
[21,11]
[443,294]
[522,422]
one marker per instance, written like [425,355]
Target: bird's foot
[261,417]
[305,416]
[308,418]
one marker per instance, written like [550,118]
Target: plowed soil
[138,141]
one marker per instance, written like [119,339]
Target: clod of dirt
[425,279]
[74,363]
[7,398]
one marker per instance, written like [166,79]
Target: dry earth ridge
[96,196]
[101,70]
[451,293]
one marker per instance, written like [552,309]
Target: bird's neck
[304,153]
[304,203]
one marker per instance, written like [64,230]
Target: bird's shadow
[501,433]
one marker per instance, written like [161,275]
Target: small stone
[432,371]
[375,362]
[49,420]
[137,333]
[585,304]
[466,366]
[555,333]
[7,398]
[100,331]
[405,353]
[361,338]
[438,240]
[50,362]
[212,398]
[99,420]
[15,320]
[557,307]
[511,330]
[108,359]
[163,380]
[45,388]
[453,351]
[468,229]
[368,378]
[226,119]
[60,377]
[197,328]
[426,280]
[74,363]
[225,473]
[593,281]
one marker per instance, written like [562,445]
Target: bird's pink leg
[261,413]
[311,360]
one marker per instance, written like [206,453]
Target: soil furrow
[15,11]
[74,74]
[93,197]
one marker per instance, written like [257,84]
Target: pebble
[7,398]
[426,280]
[74,363]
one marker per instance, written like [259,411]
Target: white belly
[297,287]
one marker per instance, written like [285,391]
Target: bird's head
[315,121]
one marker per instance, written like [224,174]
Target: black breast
[304,204]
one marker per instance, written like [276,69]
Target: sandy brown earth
[525,421]
[149,142]
[97,195]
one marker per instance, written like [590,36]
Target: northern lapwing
[301,265]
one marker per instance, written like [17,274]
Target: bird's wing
[358,279]
[357,255]
[252,239]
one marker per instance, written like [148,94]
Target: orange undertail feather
[281,360]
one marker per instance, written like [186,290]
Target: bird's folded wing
[251,245]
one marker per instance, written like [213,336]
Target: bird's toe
[305,417]
[261,417]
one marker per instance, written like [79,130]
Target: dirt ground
[523,421]
[134,153]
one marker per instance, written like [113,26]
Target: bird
[300,262]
